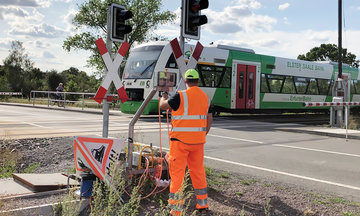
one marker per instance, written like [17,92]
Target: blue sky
[283,28]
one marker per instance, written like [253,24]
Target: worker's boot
[204,212]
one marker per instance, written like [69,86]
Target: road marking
[233,138]
[285,173]
[276,171]
[36,125]
[317,150]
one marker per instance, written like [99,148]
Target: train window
[323,86]
[301,84]
[313,87]
[264,84]
[225,80]
[352,87]
[357,86]
[251,85]
[241,84]
[275,82]
[331,84]
[289,86]
[171,63]
[213,76]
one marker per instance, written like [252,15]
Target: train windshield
[141,62]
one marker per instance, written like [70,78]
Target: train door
[245,86]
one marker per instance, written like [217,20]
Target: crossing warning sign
[112,67]
[97,154]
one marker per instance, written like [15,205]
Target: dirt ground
[229,193]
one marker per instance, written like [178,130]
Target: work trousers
[193,156]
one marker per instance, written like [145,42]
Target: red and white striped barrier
[10,93]
[321,104]
[179,57]
[112,67]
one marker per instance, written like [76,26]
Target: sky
[282,28]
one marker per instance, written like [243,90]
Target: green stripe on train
[131,107]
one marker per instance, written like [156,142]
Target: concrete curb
[320,133]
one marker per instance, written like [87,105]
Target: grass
[248,181]
[31,168]
[8,161]
[106,197]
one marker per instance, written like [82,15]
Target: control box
[166,81]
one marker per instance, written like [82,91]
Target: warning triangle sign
[95,152]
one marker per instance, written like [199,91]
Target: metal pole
[64,104]
[48,99]
[132,124]
[83,101]
[340,38]
[182,41]
[346,120]
[105,107]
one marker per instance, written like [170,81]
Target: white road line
[36,125]
[277,172]
[285,173]
[316,150]
[233,138]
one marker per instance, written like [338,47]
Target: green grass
[248,182]
[239,193]
[31,168]
[8,160]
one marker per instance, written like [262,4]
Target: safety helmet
[191,74]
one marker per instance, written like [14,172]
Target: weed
[71,170]
[267,185]
[348,214]
[8,160]
[267,208]
[308,212]
[209,172]
[242,213]
[68,206]
[248,182]
[225,175]
[31,168]
[239,193]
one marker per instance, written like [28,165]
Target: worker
[190,121]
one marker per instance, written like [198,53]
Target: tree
[53,79]
[92,16]
[16,65]
[329,52]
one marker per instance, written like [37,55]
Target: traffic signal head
[119,29]
[193,18]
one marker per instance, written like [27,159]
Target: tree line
[18,74]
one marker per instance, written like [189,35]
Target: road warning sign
[97,154]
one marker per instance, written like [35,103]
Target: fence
[63,99]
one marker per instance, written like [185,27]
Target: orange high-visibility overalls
[188,133]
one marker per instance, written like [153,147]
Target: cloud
[253,4]
[48,55]
[26,3]
[43,30]
[240,17]
[6,12]
[284,6]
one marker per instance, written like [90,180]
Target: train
[237,80]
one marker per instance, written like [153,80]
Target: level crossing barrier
[63,99]
[10,93]
[347,106]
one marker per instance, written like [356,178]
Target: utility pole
[340,37]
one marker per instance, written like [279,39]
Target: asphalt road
[249,146]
